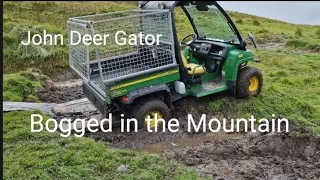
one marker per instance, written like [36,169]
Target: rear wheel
[155,108]
[249,82]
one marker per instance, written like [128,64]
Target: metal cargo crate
[108,63]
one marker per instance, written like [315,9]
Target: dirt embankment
[276,156]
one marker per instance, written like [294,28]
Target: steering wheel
[184,43]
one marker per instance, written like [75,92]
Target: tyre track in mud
[273,156]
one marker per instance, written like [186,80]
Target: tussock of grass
[22,86]
[318,33]
[21,17]
[48,156]
[313,45]
[239,21]
[256,23]
[298,32]
[19,56]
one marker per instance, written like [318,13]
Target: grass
[22,86]
[271,30]
[298,32]
[302,44]
[291,90]
[48,156]
[20,17]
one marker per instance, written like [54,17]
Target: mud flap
[232,87]
[94,97]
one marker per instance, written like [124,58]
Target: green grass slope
[291,89]
[21,17]
[23,86]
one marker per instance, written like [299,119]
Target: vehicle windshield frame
[201,34]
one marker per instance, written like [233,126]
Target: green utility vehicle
[134,74]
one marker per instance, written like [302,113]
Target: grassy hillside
[21,17]
[22,86]
[291,89]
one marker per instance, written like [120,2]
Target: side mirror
[253,39]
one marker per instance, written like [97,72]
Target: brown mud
[275,156]
[61,92]
[271,156]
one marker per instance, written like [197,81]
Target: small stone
[280,177]
[122,168]
[252,135]
[174,144]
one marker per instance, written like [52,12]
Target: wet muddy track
[273,156]
[61,92]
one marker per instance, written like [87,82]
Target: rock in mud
[74,107]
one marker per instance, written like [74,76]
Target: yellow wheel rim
[153,115]
[254,84]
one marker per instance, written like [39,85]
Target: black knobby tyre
[145,106]
[246,77]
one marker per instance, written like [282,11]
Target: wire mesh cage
[123,53]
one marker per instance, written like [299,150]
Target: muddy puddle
[274,156]
[195,140]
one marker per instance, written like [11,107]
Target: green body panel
[234,59]
[108,97]
[124,87]
[209,77]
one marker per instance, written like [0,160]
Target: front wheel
[249,82]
